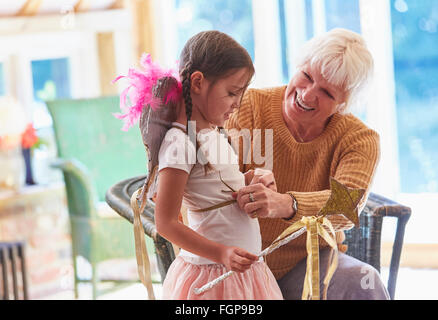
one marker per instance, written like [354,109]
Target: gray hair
[343,59]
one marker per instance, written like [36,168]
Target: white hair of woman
[343,59]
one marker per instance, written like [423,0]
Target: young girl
[215,71]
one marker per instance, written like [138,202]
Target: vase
[28,165]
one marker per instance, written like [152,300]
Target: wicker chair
[363,242]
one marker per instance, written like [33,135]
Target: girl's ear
[197,81]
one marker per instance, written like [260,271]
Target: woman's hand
[237,259]
[259,201]
[266,177]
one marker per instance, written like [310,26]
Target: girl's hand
[237,259]
[263,176]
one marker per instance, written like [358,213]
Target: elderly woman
[314,138]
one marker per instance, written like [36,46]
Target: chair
[12,258]
[94,154]
[363,242]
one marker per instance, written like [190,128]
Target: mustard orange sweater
[347,150]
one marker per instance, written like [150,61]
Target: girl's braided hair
[216,55]
[213,53]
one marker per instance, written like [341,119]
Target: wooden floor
[412,284]
[414,255]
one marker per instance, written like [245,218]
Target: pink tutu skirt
[256,283]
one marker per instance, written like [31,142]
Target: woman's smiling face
[310,99]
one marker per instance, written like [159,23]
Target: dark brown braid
[186,86]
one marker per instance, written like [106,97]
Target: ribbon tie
[314,226]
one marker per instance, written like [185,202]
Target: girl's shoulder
[175,133]
[177,151]
[175,137]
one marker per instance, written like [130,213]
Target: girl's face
[310,99]
[219,99]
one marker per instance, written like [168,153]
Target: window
[284,14]
[51,80]
[415,25]
[229,16]
[343,14]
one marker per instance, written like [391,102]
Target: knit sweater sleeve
[354,164]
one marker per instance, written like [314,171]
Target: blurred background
[73,49]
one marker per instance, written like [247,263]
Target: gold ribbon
[221,204]
[217,206]
[342,200]
[143,263]
[315,227]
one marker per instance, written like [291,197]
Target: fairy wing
[154,123]
[153,93]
